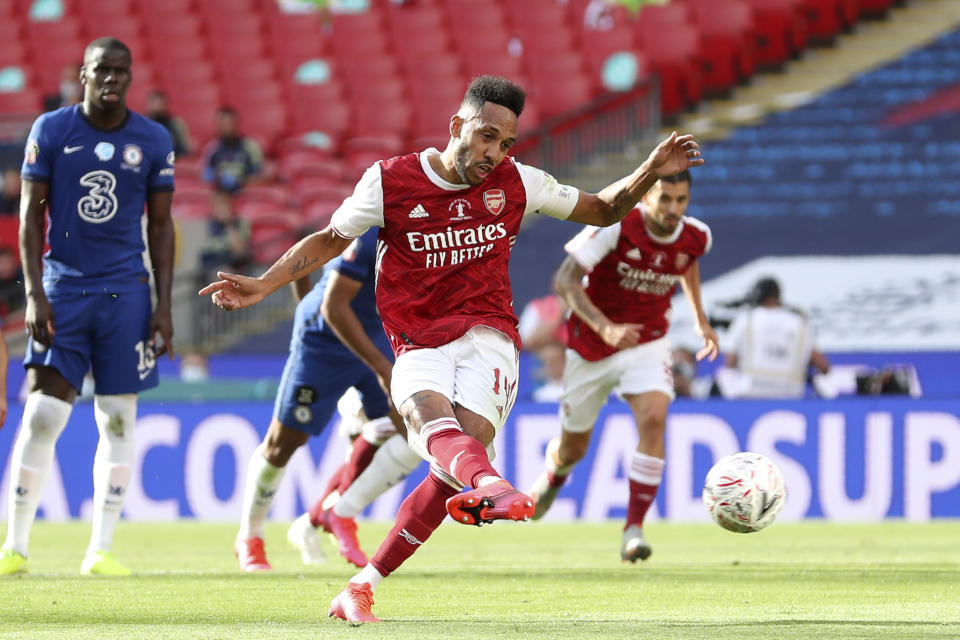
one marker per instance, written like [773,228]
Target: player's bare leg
[264,473]
[562,455]
[457,439]
[646,469]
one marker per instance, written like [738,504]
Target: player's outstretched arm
[39,313]
[568,282]
[234,291]
[701,324]
[673,155]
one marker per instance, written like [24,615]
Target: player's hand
[711,346]
[38,318]
[3,409]
[384,378]
[233,291]
[621,336]
[162,322]
[675,154]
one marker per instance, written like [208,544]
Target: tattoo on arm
[301,265]
[623,202]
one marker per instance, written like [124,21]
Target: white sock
[391,464]
[368,574]
[550,459]
[116,417]
[44,418]
[262,481]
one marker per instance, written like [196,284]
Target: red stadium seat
[166,8]
[555,98]
[274,195]
[198,196]
[727,42]
[780,28]
[265,121]
[12,51]
[188,210]
[375,120]
[164,29]
[309,189]
[315,96]
[316,215]
[385,145]
[332,119]
[21,102]
[383,92]
[104,8]
[189,167]
[223,8]
[248,73]
[547,42]
[183,76]
[876,7]
[309,164]
[674,56]
[827,18]
[234,25]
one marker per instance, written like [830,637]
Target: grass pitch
[791,581]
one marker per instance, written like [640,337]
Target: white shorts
[477,371]
[587,385]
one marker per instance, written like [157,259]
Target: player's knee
[116,415]
[280,444]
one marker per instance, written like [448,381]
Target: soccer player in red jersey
[616,338]
[447,223]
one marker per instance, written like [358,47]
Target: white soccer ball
[744,492]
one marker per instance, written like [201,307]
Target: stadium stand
[312,88]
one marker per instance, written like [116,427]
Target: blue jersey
[98,185]
[357,262]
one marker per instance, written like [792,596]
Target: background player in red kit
[447,224]
[616,336]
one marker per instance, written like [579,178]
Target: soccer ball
[744,492]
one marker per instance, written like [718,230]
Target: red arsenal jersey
[632,276]
[443,254]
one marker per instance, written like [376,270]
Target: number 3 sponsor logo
[100,204]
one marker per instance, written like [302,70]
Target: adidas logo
[419,212]
[633,254]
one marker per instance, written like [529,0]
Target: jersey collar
[433,175]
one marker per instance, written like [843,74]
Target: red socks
[460,455]
[556,481]
[361,454]
[419,515]
[641,497]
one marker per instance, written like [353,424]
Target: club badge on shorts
[494,200]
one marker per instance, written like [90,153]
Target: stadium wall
[856,459]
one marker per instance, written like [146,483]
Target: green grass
[792,581]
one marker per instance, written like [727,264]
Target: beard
[461,163]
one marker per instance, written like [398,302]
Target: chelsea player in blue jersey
[96,166]
[338,342]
